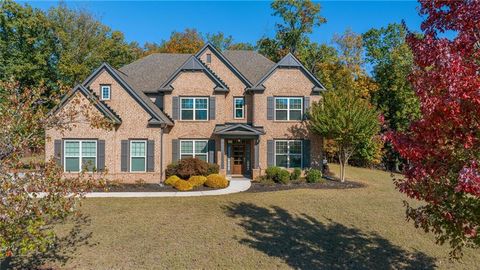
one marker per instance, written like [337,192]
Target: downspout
[162,127]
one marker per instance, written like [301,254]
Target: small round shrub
[172,180]
[216,181]
[197,180]
[278,175]
[183,185]
[191,166]
[313,176]
[296,174]
[212,168]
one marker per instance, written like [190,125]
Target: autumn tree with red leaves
[442,148]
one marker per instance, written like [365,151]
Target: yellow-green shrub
[197,180]
[183,185]
[216,181]
[172,180]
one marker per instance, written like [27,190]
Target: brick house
[234,108]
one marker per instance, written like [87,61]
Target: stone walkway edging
[236,185]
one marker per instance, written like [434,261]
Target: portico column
[256,153]
[222,150]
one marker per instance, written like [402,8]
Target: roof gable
[289,61]
[225,61]
[194,64]
[99,105]
[158,117]
[238,129]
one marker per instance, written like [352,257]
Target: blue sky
[246,21]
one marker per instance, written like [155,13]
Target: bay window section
[288,109]
[80,155]
[194,108]
[138,156]
[288,153]
[194,149]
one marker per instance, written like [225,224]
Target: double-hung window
[239,104]
[194,149]
[138,155]
[288,153]
[194,108]
[288,108]
[105,92]
[80,155]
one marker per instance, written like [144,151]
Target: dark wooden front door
[238,158]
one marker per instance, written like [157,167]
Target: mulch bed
[326,184]
[145,188]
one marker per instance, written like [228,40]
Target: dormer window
[105,92]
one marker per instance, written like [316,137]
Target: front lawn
[360,228]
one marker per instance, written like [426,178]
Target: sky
[246,21]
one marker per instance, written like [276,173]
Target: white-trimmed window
[194,108]
[194,149]
[138,155]
[288,108]
[80,155]
[239,103]
[105,92]
[288,153]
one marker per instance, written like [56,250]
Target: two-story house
[234,108]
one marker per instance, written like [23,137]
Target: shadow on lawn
[306,243]
[60,251]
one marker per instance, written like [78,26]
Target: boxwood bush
[314,176]
[278,175]
[295,175]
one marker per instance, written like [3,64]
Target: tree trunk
[6,263]
[342,160]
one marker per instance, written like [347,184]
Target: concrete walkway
[236,185]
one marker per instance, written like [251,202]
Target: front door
[238,158]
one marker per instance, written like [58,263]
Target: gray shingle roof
[250,63]
[149,73]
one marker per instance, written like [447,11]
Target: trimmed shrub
[172,180]
[213,168]
[296,174]
[216,181]
[278,175]
[183,185]
[191,166]
[171,169]
[197,180]
[314,176]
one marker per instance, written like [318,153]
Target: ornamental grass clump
[183,185]
[216,181]
[172,180]
[197,180]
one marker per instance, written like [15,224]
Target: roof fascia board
[124,84]
[225,61]
[219,85]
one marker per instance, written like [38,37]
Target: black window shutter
[58,152]
[270,153]
[175,150]
[125,156]
[306,107]
[159,101]
[101,155]
[211,151]
[306,154]
[150,155]
[270,108]
[175,108]
[211,111]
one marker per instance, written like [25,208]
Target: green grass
[323,229]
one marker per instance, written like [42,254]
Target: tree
[83,43]
[27,46]
[242,46]
[220,40]
[392,61]
[298,19]
[347,120]
[189,41]
[442,148]
[26,218]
